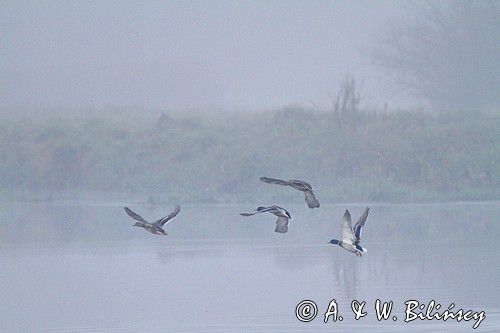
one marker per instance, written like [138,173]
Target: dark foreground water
[82,267]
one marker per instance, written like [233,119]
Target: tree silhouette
[446,52]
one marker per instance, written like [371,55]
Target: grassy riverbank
[405,156]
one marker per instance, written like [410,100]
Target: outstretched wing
[300,185]
[360,224]
[249,214]
[259,210]
[347,234]
[282,225]
[311,200]
[274,181]
[133,215]
[161,222]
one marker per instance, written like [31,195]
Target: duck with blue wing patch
[351,236]
[284,217]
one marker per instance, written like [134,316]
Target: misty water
[81,266]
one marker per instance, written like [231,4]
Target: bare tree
[446,52]
[346,103]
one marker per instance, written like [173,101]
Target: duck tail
[362,249]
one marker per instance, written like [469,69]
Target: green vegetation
[354,156]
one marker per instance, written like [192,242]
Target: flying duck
[283,216]
[300,185]
[351,237]
[156,227]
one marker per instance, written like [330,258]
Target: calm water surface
[82,267]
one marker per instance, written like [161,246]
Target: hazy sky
[189,55]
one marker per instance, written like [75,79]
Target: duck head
[334,241]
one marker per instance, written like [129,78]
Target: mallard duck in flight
[351,237]
[300,185]
[283,216]
[156,227]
